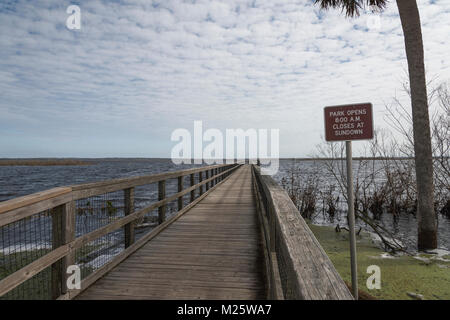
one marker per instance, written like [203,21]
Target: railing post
[161,196]
[180,188]
[63,231]
[217,172]
[69,223]
[207,184]
[211,174]
[129,209]
[56,278]
[192,183]
[200,179]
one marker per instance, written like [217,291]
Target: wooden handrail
[63,199]
[25,206]
[298,263]
[16,203]
[95,188]
[272,274]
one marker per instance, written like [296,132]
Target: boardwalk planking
[214,251]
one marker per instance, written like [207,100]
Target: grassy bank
[429,277]
[38,287]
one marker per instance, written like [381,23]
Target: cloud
[137,70]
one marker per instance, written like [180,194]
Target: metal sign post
[351,218]
[347,123]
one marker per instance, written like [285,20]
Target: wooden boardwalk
[240,236]
[213,251]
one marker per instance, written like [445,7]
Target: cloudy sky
[138,70]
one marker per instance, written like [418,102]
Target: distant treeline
[43,162]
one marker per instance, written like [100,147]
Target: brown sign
[349,122]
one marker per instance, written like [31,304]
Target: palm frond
[351,7]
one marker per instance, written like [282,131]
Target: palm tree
[410,20]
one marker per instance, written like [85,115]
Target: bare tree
[441,148]
[410,20]
[385,175]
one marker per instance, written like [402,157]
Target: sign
[349,122]
[346,123]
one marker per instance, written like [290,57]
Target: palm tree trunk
[427,226]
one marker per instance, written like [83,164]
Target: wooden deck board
[214,251]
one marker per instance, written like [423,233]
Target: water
[403,226]
[18,181]
[31,238]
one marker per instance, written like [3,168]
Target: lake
[18,181]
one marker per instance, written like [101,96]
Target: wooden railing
[63,205]
[296,265]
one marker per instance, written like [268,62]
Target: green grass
[398,276]
[37,287]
